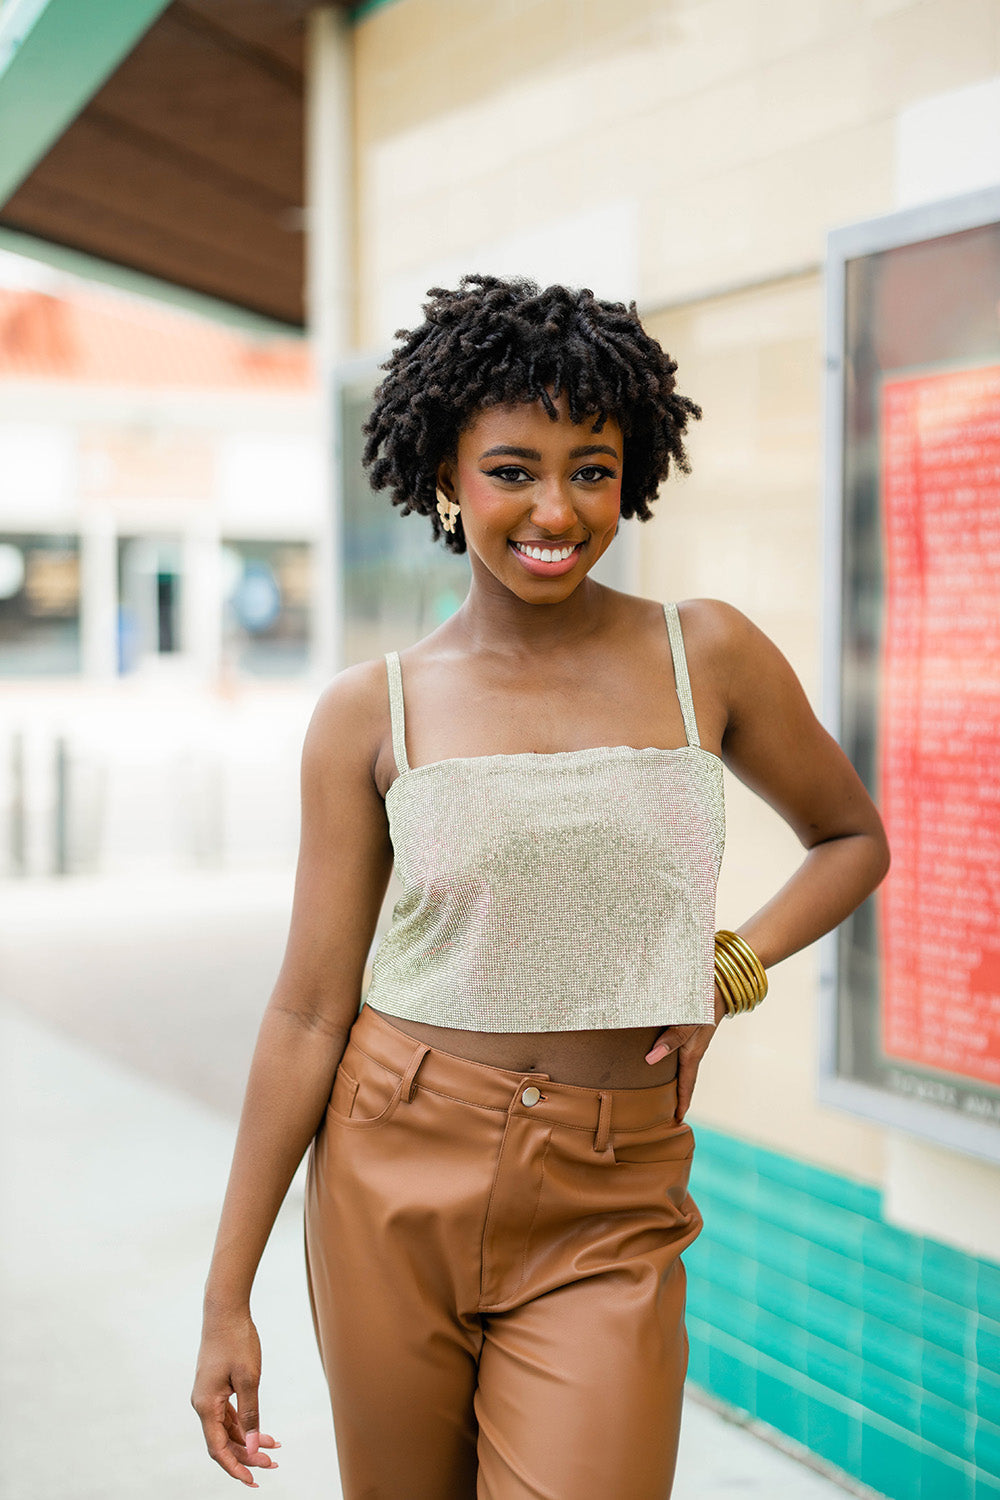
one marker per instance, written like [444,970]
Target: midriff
[589,1059]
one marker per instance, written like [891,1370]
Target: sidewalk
[112,1182]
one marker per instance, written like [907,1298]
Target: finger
[259,1460]
[246,1388]
[668,1041]
[235,1431]
[687,1071]
[219,1446]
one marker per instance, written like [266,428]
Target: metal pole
[18,849]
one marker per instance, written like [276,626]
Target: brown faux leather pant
[493,1266]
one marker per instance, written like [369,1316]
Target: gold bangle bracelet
[732,1007]
[748,989]
[742,994]
[737,968]
[731,979]
[749,974]
[732,986]
[740,948]
[739,971]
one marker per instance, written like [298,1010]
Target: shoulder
[709,622]
[714,623]
[722,635]
[347,727]
[734,661]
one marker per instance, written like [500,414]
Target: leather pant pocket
[364,1094]
[660,1143]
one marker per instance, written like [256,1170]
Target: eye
[594,473]
[509,473]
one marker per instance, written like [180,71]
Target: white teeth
[546,554]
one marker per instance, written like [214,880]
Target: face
[528,485]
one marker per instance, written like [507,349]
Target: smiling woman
[554,512]
[499,1154]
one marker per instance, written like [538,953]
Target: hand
[229,1365]
[690,1043]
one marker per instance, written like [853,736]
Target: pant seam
[534,1212]
[489,1209]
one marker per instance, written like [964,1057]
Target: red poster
[940,733]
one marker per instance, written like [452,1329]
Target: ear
[445,479]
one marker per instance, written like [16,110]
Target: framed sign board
[911,982]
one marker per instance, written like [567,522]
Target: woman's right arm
[345,859]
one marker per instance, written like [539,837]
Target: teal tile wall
[878,1349]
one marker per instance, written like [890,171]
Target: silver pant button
[531,1095]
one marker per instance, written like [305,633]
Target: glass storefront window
[398,582]
[267,588]
[39,605]
[150,580]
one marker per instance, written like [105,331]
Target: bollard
[61,818]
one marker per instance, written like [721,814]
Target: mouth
[547,561]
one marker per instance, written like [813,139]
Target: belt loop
[603,1133]
[409,1080]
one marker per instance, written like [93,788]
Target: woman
[497,1193]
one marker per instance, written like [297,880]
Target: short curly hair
[494,342]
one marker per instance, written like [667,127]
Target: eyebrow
[506,451]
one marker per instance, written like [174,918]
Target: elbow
[881,855]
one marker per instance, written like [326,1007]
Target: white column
[99,595]
[201,598]
[330,286]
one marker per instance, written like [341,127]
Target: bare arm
[772,740]
[344,863]
[775,745]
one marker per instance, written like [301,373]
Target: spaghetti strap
[396,713]
[681,677]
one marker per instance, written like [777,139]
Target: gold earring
[448,510]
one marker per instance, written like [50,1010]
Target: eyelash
[506,470]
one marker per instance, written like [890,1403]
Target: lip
[547,569]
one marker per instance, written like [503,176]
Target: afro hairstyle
[496,342]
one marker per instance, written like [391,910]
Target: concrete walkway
[112,1181]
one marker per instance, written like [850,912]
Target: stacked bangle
[739,973]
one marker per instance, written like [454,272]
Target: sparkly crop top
[556,891]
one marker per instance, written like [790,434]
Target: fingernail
[657,1054]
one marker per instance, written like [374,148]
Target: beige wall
[725,136]
[693,154]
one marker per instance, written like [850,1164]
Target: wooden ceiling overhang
[187,164]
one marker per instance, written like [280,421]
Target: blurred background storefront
[187,538]
[161,507]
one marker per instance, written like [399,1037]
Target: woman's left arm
[773,742]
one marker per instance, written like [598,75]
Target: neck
[496,620]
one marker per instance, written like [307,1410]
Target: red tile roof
[94,339]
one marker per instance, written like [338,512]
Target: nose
[553,508]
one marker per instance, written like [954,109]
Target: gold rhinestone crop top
[554,892]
